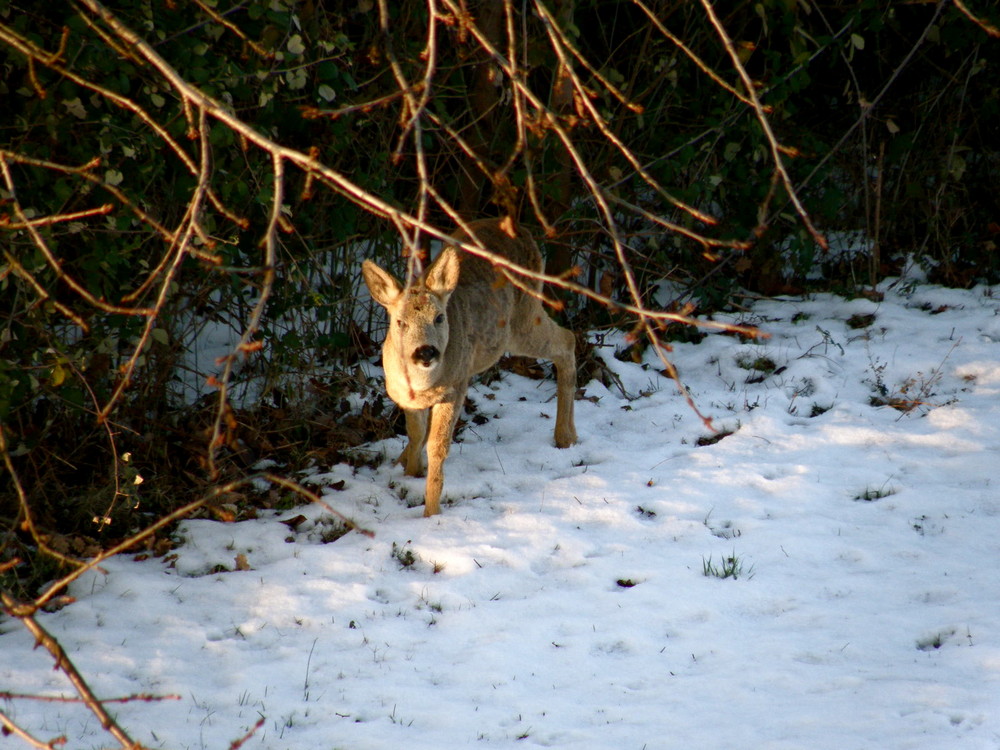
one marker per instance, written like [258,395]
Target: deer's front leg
[412,457]
[442,426]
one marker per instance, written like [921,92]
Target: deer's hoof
[565,440]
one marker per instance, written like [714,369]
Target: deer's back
[521,250]
[483,309]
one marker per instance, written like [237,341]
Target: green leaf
[956,167]
[349,80]
[295,45]
[75,107]
[327,71]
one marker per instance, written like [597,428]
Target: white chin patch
[422,375]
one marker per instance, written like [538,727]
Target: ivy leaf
[295,45]
[296,79]
[58,376]
[75,107]
[956,167]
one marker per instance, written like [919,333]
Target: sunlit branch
[65,665]
[45,221]
[411,120]
[982,23]
[179,250]
[137,697]
[689,53]
[26,517]
[18,268]
[368,200]
[33,52]
[765,124]
[867,110]
[564,40]
[10,727]
[223,21]
[247,344]
[43,247]
[558,39]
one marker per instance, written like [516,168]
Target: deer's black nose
[426,354]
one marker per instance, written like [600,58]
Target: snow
[560,600]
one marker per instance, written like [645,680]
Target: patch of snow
[560,599]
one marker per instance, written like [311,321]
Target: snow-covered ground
[561,599]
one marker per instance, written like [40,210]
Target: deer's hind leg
[541,337]
[412,457]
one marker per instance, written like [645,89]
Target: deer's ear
[442,276]
[383,286]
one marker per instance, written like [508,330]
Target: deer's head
[418,319]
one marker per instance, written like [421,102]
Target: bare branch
[776,149]
[10,727]
[66,666]
[559,41]
[702,65]
[982,23]
[137,697]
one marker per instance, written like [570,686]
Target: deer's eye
[439,319]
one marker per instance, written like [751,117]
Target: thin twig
[10,727]
[765,124]
[136,698]
[65,665]
[559,40]
[982,23]
[869,107]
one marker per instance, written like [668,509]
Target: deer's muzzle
[425,355]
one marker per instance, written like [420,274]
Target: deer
[455,320]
